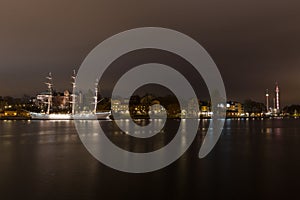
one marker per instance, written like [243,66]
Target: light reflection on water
[46,159]
[63,131]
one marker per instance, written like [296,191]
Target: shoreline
[201,118]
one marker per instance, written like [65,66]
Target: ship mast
[49,84]
[96,97]
[73,92]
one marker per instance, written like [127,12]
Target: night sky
[254,43]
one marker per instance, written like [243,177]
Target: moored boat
[69,116]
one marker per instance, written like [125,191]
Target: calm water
[254,159]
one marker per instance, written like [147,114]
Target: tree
[292,109]
[253,106]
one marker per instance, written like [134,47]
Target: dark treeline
[251,106]
[292,109]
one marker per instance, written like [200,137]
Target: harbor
[254,159]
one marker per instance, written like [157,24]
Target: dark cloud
[254,43]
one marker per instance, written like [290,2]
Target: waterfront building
[234,109]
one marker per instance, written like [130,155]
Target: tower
[267,100]
[277,98]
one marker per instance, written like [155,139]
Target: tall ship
[68,116]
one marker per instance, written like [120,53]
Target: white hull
[44,116]
[82,116]
[98,115]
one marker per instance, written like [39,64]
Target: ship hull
[92,116]
[44,116]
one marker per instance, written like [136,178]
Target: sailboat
[68,116]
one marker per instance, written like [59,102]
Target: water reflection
[45,159]
[37,132]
